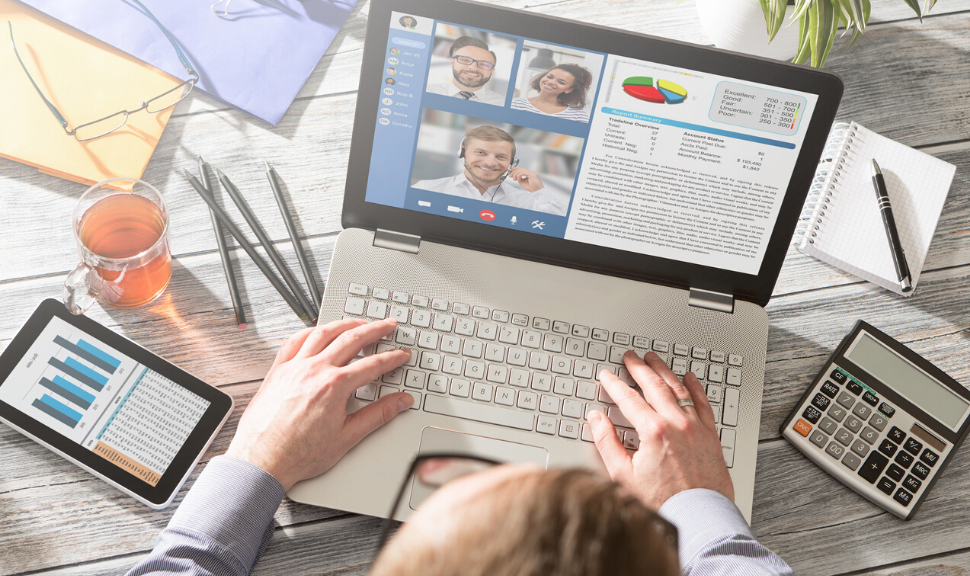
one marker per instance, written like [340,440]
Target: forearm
[222,526]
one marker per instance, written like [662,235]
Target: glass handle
[79,290]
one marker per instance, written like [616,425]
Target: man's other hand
[526,179]
[679,447]
[297,425]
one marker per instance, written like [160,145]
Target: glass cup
[122,240]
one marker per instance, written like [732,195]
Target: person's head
[472,63]
[568,82]
[408,21]
[488,153]
[389,81]
[525,521]
[391,70]
[395,51]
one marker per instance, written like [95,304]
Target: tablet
[108,405]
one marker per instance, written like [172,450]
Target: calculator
[881,419]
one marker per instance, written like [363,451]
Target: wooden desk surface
[906,80]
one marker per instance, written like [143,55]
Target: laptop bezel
[755,288]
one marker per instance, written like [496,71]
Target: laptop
[530,197]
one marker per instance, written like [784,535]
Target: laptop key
[517,357]
[497,373]
[546,425]
[494,352]
[520,319]
[531,339]
[438,383]
[561,365]
[475,370]
[460,308]
[428,340]
[549,404]
[479,412]
[552,343]
[541,382]
[603,397]
[568,429]
[443,322]
[465,327]
[580,331]
[500,316]
[527,400]
[540,323]
[430,361]
[575,347]
[407,336]
[596,351]
[358,289]
[504,396]
[487,330]
[480,312]
[450,344]
[472,348]
[382,293]
[367,392]
[452,365]
[585,390]
[415,379]
[582,369]
[616,354]
[401,297]
[572,409]
[617,417]
[539,361]
[518,378]
[564,386]
[400,313]
[600,334]
[376,310]
[482,392]
[508,335]
[419,301]
[421,318]
[459,387]
[439,304]
[355,306]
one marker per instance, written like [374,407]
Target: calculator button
[862,411]
[887,410]
[888,448]
[870,398]
[829,389]
[860,447]
[837,413]
[828,425]
[869,435]
[843,436]
[853,423]
[803,427]
[838,376]
[896,435]
[846,400]
[895,472]
[920,470]
[819,439]
[904,459]
[717,356]
[903,497]
[851,461]
[358,289]
[734,360]
[873,467]
[887,486]
[878,422]
[913,446]
[853,387]
[821,402]
[811,414]
[929,457]
[834,450]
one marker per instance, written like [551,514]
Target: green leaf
[833,30]
[774,15]
[804,48]
[855,13]
[914,4]
[801,8]
[928,5]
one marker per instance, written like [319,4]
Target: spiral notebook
[841,223]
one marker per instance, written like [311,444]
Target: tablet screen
[103,400]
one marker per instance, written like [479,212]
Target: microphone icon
[513,220]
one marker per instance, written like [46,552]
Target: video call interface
[501,130]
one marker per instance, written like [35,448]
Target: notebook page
[853,232]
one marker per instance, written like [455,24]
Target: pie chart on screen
[655,91]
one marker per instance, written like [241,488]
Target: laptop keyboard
[524,372]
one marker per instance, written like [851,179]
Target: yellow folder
[86,80]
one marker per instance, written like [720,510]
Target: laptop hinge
[711,300]
[397,241]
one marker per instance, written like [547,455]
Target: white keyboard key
[504,396]
[717,356]
[621,339]
[540,323]
[601,335]
[400,313]
[624,374]
[517,357]
[716,373]
[596,351]
[681,350]
[732,397]
[494,352]
[376,310]
[367,392]
[616,354]
[508,335]
[401,297]
[531,339]
[385,347]
[385,390]
[430,361]
[572,409]
[452,365]
[603,397]
[421,318]
[608,367]
[698,369]
[587,433]
[541,382]
[679,366]
[472,348]
[539,361]
[438,383]
[564,386]
[419,301]
[580,331]
[631,440]
[428,340]
[734,360]
[593,407]
[475,370]
[355,306]
[416,405]
[358,289]
[714,394]
[450,344]
[480,312]
[618,418]
[585,390]
[727,445]
[415,379]
[497,373]
[412,361]
[552,343]
[575,347]
[549,404]
[561,365]
[661,346]
[439,304]
[459,387]
[482,392]
[546,425]
[519,378]
[582,369]
[734,377]
[500,316]
[366,351]
[443,322]
[407,336]
[520,319]
[460,308]
[487,330]
[641,342]
[465,326]
[382,293]
[716,408]
[527,400]
[479,412]
[560,327]
[569,429]
[698,353]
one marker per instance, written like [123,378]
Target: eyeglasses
[112,122]
[466,61]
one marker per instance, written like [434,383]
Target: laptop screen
[552,139]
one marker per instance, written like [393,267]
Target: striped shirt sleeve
[223,525]
[715,539]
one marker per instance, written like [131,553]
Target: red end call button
[487,215]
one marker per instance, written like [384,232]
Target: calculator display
[923,391]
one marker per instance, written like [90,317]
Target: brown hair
[563,522]
[489,133]
[582,79]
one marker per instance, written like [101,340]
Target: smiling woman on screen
[561,91]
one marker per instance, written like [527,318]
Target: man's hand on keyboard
[297,425]
[679,446]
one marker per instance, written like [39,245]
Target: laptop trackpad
[438,440]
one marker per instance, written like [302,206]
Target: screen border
[357,213]
[221,404]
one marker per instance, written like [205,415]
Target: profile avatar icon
[395,51]
[390,81]
[391,71]
[409,22]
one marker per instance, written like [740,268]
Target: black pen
[899,256]
[294,237]
[223,252]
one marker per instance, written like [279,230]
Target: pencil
[257,259]
[237,306]
[291,229]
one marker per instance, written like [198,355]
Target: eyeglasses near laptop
[112,122]
[466,61]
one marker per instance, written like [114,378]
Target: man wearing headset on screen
[472,65]
[491,174]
